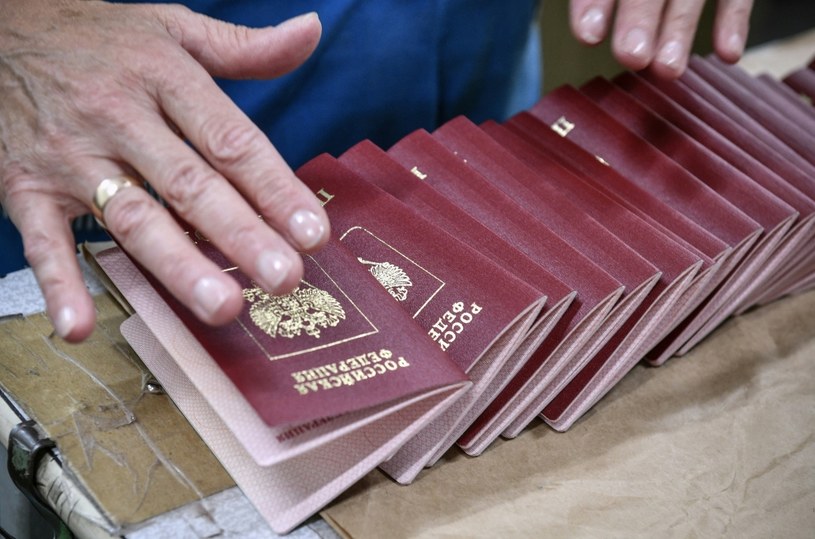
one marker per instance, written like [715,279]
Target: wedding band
[106,190]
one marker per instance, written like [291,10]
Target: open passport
[484,277]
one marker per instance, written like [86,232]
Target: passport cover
[376,167]
[307,374]
[285,493]
[542,258]
[541,184]
[786,182]
[448,174]
[641,162]
[786,109]
[747,128]
[677,286]
[802,81]
[802,104]
[773,249]
[276,455]
[698,97]
[791,134]
[653,210]
[585,321]
[473,308]
[716,131]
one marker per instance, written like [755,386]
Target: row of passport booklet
[481,277]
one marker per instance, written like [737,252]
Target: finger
[240,152]
[233,51]
[202,197]
[590,19]
[150,235]
[636,27]
[679,24]
[731,27]
[50,249]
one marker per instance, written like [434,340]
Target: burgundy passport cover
[695,95]
[785,109]
[785,181]
[803,82]
[630,195]
[778,244]
[638,160]
[377,168]
[790,133]
[463,300]
[699,96]
[450,175]
[476,310]
[539,184]
[336,345]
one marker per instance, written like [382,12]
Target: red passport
[748,127]
[698,97]
[473,308]
[603,371]
[794,189]
[378,168]
[538,183]
[801,104]
[303,394]
[802,81]
[450,176]
[777,246]
[786,109]
[795,136]
[648,167]
[792,123]
[638,200]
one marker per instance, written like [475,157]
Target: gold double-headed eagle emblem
[309,309]
[305,310]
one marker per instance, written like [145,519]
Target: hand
[92,90]
[659,33]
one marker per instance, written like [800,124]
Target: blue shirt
[382,69]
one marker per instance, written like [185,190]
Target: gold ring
[106,190]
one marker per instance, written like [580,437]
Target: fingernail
[636,43]
[671,55]
[592,26]
[65,321]
[306,228]
[273,269]
[303,17]
[210,294]
[736,43]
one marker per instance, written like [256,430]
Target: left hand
[659,33]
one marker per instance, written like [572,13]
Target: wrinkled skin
[93,90]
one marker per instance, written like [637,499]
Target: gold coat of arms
[306,309]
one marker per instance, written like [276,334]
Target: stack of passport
[482,277]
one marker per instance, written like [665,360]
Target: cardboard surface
[720,442]
[130,449]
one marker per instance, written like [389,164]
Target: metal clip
[26,447]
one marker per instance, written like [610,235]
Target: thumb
[236,52]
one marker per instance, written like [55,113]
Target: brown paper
[130,449]
[720,442]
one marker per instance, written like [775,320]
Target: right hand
[659,33]
[92,90]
